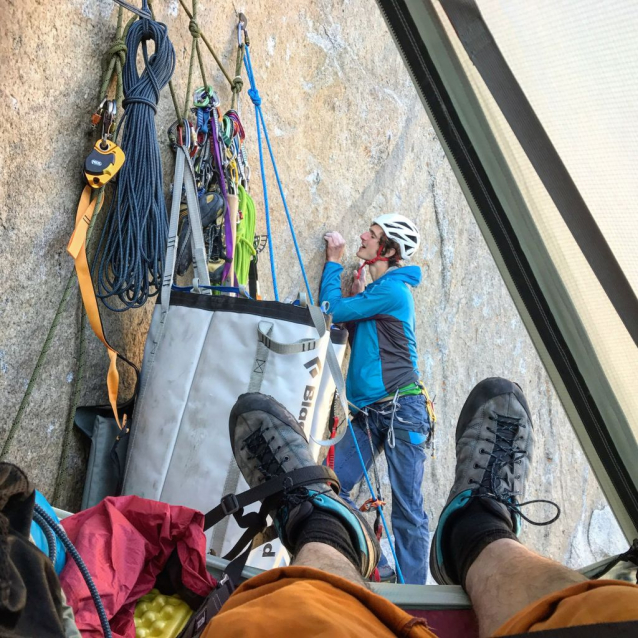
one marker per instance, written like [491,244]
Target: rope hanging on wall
[129,260]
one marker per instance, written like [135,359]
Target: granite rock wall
[352,141]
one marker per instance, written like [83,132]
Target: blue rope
[130,257]
[374,496]
[255,97]
[253,93]
[70,548]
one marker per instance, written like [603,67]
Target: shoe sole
[482,392]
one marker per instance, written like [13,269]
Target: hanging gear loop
[184,178]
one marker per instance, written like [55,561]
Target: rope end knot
[253,94]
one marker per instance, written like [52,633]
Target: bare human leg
[506,577]
[328,559]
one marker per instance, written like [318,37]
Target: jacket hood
[410,275]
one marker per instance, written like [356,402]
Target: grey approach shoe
[267,442]
[494,444]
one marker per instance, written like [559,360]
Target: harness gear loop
[395,406]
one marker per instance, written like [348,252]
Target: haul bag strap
[319,321]
[77,249]
[234,503]
[232,476]
[184,177]
[303,345]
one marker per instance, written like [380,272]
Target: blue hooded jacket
[384,356]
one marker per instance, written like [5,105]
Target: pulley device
[106,158]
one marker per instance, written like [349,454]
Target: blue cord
[374,496]
[253,93]
[259,117]
[283,199]
[61,534]
[254,96]
[129,262]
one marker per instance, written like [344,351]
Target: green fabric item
[244,248]
[412,389]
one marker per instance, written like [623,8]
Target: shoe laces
[506,454]
[259,447]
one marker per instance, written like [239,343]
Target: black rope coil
[130,257]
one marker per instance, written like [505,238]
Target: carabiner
[109,111]
[242,25]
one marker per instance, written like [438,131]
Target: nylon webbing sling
[482,49]
[319,321]
[77,249]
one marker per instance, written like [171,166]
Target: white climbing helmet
[401,230]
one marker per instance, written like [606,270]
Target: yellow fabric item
[77,249]
[160,616]
[244,248]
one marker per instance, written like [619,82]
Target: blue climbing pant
[405,455]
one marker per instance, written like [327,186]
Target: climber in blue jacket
[383,384]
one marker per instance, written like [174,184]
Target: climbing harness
[268,493]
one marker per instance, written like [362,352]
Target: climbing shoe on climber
[494,444]
[267,442]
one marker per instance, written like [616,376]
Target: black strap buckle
[229,504]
